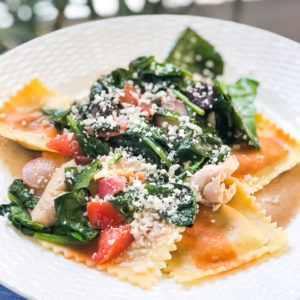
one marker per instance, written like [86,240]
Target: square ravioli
[223,240]
[279,153]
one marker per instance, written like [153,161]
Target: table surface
[6,294]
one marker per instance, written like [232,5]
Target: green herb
[235,111]
[195,54]
[188,102]
[91,146]
[185,203]
[69,209]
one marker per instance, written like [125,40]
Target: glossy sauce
[22,121]
[251,161]
[205,242]
[84,253]
[281,197]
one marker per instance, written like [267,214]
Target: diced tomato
[65,145]
[123,124]
[146,108]
[103,215]
[111,185]
[131,95]
[112,242]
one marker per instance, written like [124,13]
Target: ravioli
[225,239]
[21,119]
[136,265]
[279,153]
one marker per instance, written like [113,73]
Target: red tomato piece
[111,185]
[146,108]
[103,215]
[66,144]
[112,242]
[131,95]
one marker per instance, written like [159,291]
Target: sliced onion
[172,104]
[175,105]
[37,172]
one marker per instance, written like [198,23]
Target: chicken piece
[44,212]
[208,183]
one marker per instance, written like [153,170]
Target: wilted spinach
[146,140]
[69,209]
[81,176]
[115,79]
[235,111]
[195,146]
[167,114]
[146,70]
[17,209]
[57,117]
[91,146]
[123,202]
[20,194]
[195,54]
[184,202]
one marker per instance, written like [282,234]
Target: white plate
[69,60]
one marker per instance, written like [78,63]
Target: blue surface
[6,294]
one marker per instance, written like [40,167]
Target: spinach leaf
[91,146]
[162,75]
[20,195]
[191,170]
[151,143]
[69,209]
[115,79]
[21,200]
[59,239]
[196,146]
[195,54]
[167,113]
[146,140]
[77,178]
[189,103]
[235,111]
[184,202]
[21,220]
[57,117]
[123,202]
